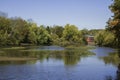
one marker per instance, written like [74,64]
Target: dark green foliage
[16,31]
[114,23]
[104,38]
[58,30]
[71,35]
[5,30]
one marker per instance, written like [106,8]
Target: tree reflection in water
[114,59]
[18,62]
[70,57]
[118,71]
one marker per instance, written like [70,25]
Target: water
[50,48]
[61,64]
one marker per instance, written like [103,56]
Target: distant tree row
[17,31]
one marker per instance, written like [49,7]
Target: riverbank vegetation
[105,38]
[17,31]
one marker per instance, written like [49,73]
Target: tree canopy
[114,22]
[17,31]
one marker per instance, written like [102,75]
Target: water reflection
[70,57]
[114,59]
[73,57]
[49,48]
[17,62]
[118,71]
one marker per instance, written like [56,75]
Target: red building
[90,40]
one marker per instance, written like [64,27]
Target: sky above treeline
[90,14]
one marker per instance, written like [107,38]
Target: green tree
[20,28]
[5,30]
[49,29]
[58,30]
[84,32]
[32,37]
[99,38]
[114,22]
[5,25]
[70,33]
[43,36]
[104,38]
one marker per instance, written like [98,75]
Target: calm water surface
[61,64]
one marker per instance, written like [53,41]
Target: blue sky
[90,14]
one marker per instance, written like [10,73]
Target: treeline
[17,31]
[105,38]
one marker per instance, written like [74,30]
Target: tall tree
[21,28]
[58,30]
[43,36]
[104,38]
[114,22]
[4,30]
[32,37]
[71,34]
